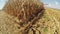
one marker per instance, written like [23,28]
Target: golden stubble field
[49,23]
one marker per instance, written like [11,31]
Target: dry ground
[49,23]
